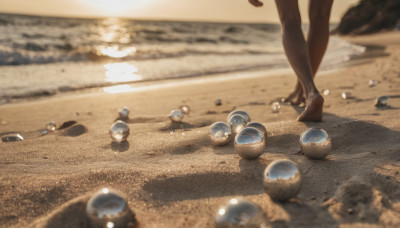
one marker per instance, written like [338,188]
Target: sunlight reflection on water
[121,72]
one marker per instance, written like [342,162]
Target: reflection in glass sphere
[276,107]
[185,109]
[176,116]
[240,213]
[107,208]
[240,112]
[12,138]
[282,180]
[220,133]
[237,122]
[258,126]
[315,143]
[250,143]
[382,101]
[124,113]
[51,126]
[119,131]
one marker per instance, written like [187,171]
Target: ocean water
[46,55]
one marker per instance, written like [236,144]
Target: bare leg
[317,41]
[297,53]
[296,97]
[318,33]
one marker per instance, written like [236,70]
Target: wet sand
[173,176]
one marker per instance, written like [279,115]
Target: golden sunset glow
[114,7]
[193,10]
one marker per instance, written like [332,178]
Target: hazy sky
[193,10]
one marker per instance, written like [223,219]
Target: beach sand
[173,177]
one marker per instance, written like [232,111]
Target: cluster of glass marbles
[250,137]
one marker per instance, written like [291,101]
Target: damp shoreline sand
[173,177]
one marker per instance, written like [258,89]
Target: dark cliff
[370,16]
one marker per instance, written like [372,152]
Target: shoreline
[371,51]
[173,177]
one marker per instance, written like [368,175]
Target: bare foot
[296,97]
[313,111]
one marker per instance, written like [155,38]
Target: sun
[115,7]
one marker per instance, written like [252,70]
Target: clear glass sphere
[346,95]
[282,180]
[250,143]
[315,143]
[185,109]
[220,133]
[240,112]
[119,131]
[51,126]
[258,126]
[276,107]
[108,208]
[124,113]
[176,116]
[237,122]
[381,101]
[372,83]
[12,138]
[240,213]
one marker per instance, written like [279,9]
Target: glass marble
[276,107]
[282,180]
[381,101]
[258,126]
[237,122]
[240,213]
[218,102]
[119,131]
[346,95]
[185,109]
[108,208]
[51,126]
[220,133]
[176,116]
[12,138]
[315,143]
[250,143]
[240,112]
[124,113]
[372,83]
